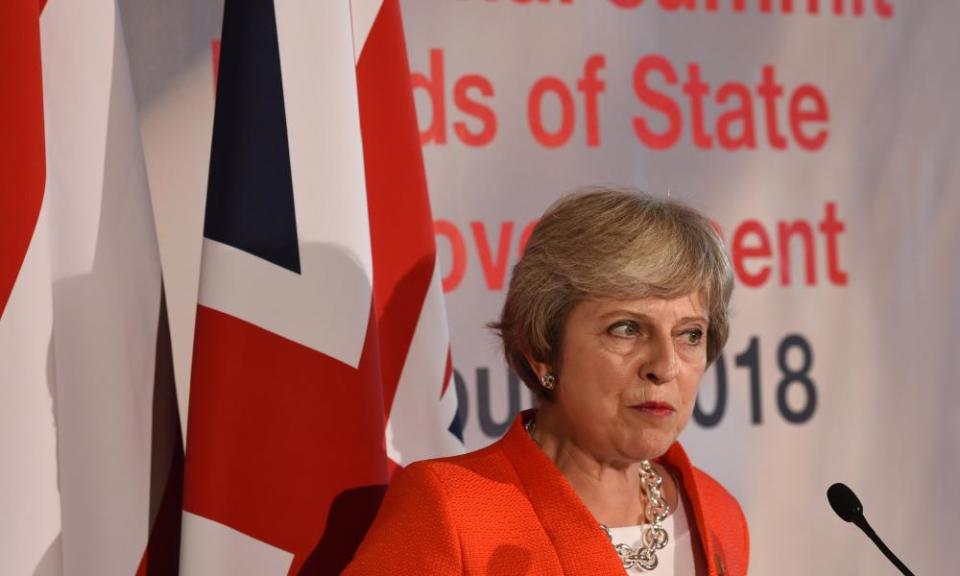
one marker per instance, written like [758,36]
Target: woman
[614,312]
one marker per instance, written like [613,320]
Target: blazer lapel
[581,545]
[677,458]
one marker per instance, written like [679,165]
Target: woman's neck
[610,490]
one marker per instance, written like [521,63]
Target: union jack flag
[321,357]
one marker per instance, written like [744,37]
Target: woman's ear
[540,369]
[543,372]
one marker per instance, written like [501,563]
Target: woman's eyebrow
[625,312]
[642,316]
[697,318]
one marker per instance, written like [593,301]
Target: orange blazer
[506,509]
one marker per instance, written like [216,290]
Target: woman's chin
[652,444]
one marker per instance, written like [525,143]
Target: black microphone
[848,507]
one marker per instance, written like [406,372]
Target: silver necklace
[655,536]
[656,511]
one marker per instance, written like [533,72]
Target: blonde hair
[610,243]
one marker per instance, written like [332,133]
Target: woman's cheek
[689,400]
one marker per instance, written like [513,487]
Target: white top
[677,557]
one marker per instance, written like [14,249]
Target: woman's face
[629,374]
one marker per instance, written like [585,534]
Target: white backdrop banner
[822,138]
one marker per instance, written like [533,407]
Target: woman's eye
[693,336]
[624,329]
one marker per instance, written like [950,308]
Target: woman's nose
[661,365]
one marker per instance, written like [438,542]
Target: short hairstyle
[610,243]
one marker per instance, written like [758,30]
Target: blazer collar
[581,545]
[676,457]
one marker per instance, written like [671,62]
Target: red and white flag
[321,356]
[89,435]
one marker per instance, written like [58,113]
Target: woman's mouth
[659,409]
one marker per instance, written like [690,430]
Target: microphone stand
[862,523]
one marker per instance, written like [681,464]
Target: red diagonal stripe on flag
[401,228]
[277,431]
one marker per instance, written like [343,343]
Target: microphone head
[844,502]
